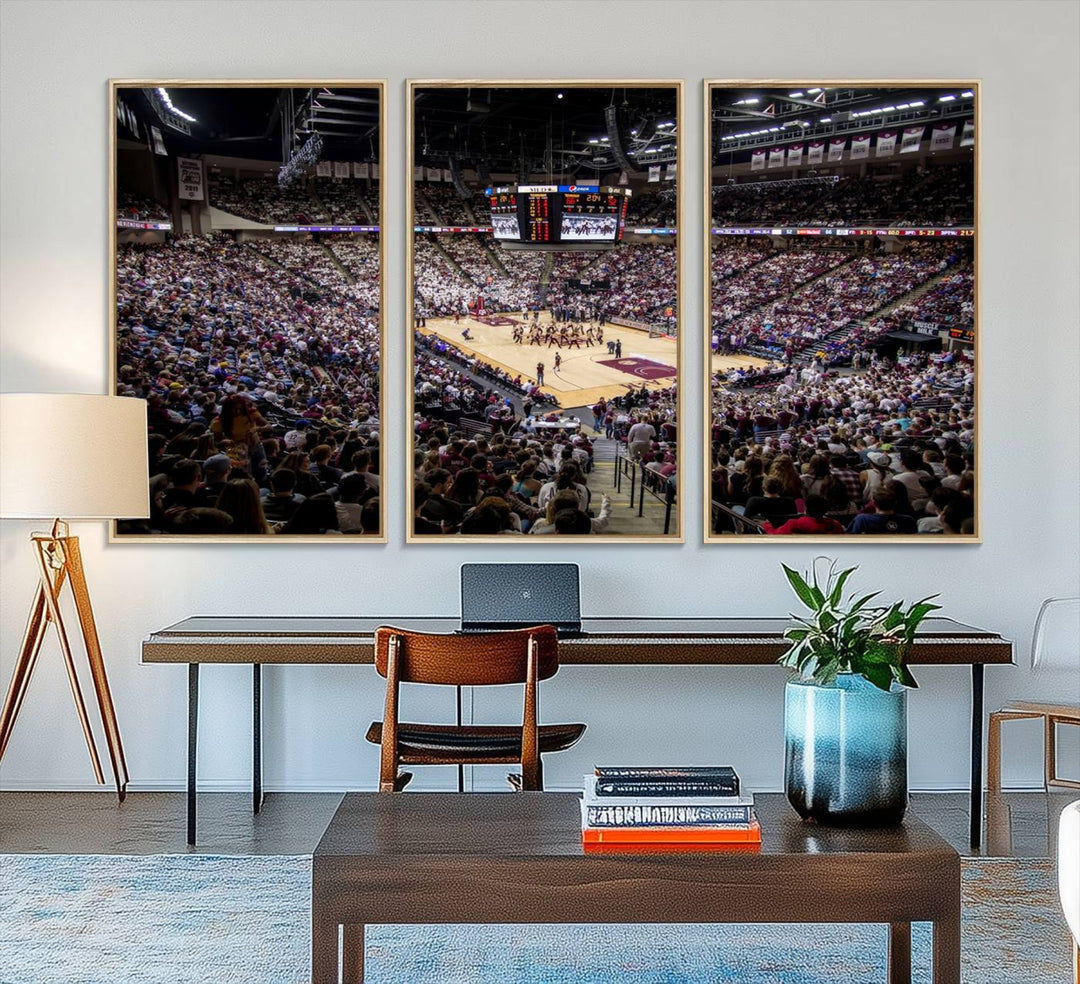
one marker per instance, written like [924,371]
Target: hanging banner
[324,169]
[360,170]
[886,144]
[624,178]
[967,135]
[757,160]
[860,147]
[943,136]
[912,138]
[448,175]
[836,148]
[776,157]
[794,155]
[434,174]
[418,173]
[158,141]
[815,151]
[654,173]
[341,169]
[191,178]
[669,172]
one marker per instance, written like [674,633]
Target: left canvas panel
[248,305]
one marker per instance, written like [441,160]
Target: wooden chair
[486,659]
[1055,644]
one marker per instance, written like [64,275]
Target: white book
[591,799]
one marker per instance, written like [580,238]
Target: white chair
[1069,875]
[1055,645]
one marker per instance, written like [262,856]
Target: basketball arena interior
[546,323]
[842,293]
[248,313]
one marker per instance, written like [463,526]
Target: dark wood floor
[1021,824]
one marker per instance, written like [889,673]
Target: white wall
[56,58]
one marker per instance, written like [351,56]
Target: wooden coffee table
[517,858]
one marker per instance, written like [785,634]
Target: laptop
[515,596]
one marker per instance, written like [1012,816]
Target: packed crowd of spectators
[940,196]
[243,368]
[140,208]
[950,303]
[447,207]
[512,480]
[653,208]
[747,280]
[887,450]
[263,200]
[849,292]
[443,373]
[798,298]
[344,201]
[642,278]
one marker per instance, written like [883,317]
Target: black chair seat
[474,743]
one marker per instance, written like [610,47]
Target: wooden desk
[518,858]
[606,641]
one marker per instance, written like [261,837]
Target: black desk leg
[461,767]
[192,748]
[256,738]
[976,753]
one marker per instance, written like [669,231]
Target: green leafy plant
[849,637]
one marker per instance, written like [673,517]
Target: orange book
[748,834]
[639,848]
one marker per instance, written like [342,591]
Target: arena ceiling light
[967,95]
[172,109]
[797,94]
[946,99]
[746,102]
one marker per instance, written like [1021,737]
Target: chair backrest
[470,659]
[1055,643]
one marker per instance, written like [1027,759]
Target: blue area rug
[174,919]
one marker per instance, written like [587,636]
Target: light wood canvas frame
[114,88]
[678,512]
[846,540]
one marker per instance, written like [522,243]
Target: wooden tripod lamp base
[101,441]
[59,561]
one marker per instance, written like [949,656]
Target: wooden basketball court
[581,379]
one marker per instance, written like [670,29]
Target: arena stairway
[549,267]
[450,261]
[914,294]
[831,272]
[336,260]
[491,254]
[421,204]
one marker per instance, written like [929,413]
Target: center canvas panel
[544,271]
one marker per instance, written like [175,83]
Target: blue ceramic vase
[846,751]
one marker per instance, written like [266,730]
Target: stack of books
[659,806]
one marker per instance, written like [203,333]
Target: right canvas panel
[842,277]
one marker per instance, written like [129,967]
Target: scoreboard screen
[504,216]
[592,217]
[544,214]
[538,217]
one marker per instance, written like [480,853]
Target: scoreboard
[544,214]
[504,215]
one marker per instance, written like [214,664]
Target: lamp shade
[73,456]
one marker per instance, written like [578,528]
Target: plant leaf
[800,587]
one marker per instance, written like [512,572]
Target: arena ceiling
[745,118]
[532,130]
[260,123]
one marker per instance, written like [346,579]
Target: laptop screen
[519,595]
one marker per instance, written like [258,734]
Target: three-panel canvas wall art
[548,237]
